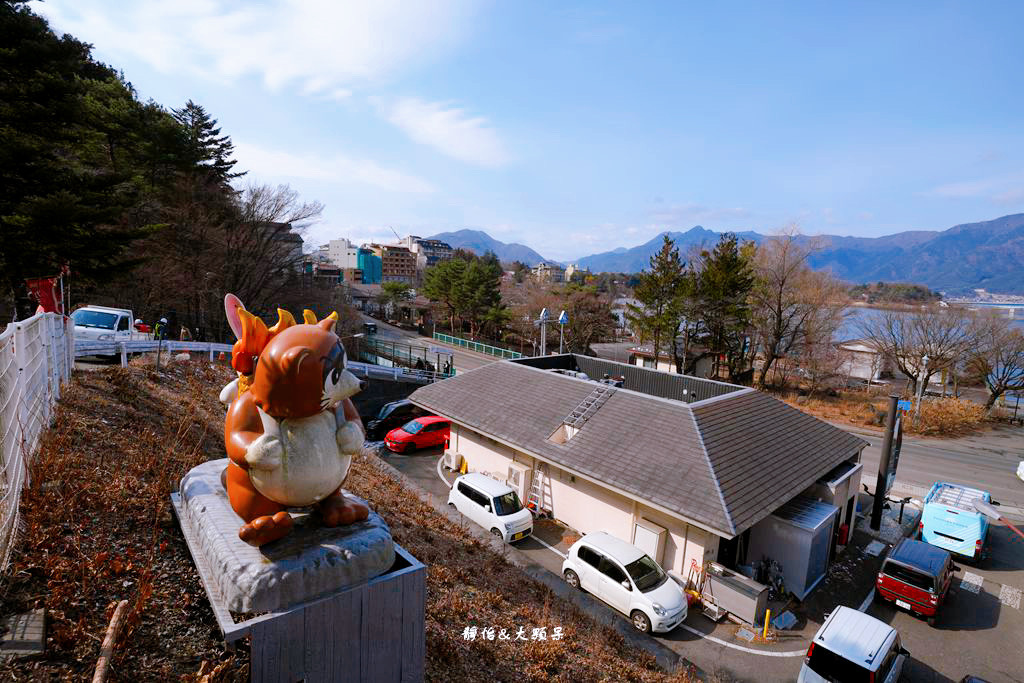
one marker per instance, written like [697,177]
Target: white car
[492,505]
[627,579]
[850,646]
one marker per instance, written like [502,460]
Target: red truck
[916,576]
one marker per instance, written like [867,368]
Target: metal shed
[797,536]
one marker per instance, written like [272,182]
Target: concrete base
[311,561]
[24,634]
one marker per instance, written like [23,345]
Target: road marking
[1010,596]
[440,461]
[550,547]
[971,582]
[867,601]
[763,653]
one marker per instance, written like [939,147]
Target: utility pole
[881,483]
[920,389]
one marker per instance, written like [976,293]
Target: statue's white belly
[312,467]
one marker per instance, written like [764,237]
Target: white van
[627,579]
[492,505]
[852,646]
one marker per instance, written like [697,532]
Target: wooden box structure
[372,631]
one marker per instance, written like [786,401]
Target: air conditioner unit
[519,478]
[452,460]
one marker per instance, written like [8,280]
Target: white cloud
[273,164]
[1002,189]
[685,215]
[448,129]
[321,46]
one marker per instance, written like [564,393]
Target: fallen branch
[108,643]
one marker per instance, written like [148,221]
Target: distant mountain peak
[480,242]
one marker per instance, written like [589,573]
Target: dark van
[391,415]
[916,576]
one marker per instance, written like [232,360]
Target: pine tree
[659,291]
[725,284]
[207,148]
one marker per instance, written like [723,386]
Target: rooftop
[718,455]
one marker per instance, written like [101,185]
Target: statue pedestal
[343,603]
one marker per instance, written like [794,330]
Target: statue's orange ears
[292,359]
[328,322]
[308,317]
[254,337]
[284,321]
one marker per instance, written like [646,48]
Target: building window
[649,363]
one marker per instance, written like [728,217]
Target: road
[987,461]
[464,360]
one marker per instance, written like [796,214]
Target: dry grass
[98,528]
[940,417]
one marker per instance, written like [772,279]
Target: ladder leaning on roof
[538,500]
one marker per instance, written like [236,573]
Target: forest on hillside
[141,205]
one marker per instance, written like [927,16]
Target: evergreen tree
[659,291]
[725,285]
[69,167]
[443,283]
[206,147]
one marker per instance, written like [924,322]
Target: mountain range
[987,255]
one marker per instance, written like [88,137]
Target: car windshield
[86,318]
[646,573]
[387,410]
[507,504]
[412,427]
[834,668]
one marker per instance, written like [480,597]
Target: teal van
[950,521]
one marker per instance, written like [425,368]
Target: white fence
[36,356]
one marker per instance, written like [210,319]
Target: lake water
[855,314]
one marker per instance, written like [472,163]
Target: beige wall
[588,507]
[702,369]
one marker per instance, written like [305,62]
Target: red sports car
[419,433]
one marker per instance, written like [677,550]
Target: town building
[691,470]
[643,356]
[548,272]
[289,243]
[369,263]
[397,264]
[343,253]
[433,251]
[574,273]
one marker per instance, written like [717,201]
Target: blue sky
[581,127]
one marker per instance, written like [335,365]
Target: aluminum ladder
[539,498]
[588,406]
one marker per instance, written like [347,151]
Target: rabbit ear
[231,305]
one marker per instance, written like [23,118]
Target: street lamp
[990,511]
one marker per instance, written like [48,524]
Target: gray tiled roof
[724,463]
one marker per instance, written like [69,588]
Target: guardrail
[35,358]
[477,346]
[124,348]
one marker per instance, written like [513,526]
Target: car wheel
[930,621]
[572,579]
[451,505]
[640,621]
[497,534]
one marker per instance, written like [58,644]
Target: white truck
[101,323]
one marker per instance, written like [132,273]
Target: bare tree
[998,359]
[789,298]
[944,334]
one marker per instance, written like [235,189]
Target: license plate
[516,537]
[904,605]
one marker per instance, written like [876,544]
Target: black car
[392,415]
[369,328]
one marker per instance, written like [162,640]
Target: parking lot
[980,631]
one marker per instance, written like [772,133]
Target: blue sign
[905,405]
[563,319]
